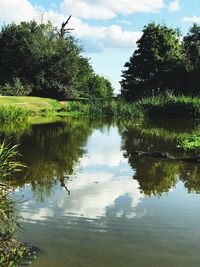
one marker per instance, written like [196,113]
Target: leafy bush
[17,88]
[191,143]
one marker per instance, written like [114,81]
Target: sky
[106,29]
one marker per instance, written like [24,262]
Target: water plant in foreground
[11,250]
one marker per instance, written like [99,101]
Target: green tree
[156,65]
[99,86]
[191,44]
[49,62]
[36,54]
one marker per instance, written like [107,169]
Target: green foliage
[163,63]
[8,163]
[170,106]
[165,106]
[98,86]
[30,105]
[15,89]
[8,220]
[11,251]
[191,143]
[191,44]
[13,113]
[36,60]
[103,107]
[151,70]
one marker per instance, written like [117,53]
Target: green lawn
[33,104]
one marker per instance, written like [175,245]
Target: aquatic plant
[11,251]
[191,143]
[170,106]
[8,163]
[13,113]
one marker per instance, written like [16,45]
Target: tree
[191,44]
[156,64]
[43,59]
[99,86]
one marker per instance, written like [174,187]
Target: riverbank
[154,107]
[33,110]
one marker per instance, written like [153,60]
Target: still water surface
[89,202]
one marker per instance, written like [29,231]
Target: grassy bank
[18,109]
[34,105]
[171,107]
[155,107]
[101,107]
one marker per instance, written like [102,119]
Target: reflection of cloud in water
[124,207]
[89,199]
[92,199]
[104,149]
[96,192]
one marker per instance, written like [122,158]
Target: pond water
[89,201]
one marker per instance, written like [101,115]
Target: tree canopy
[191,44]
[43,62]
[159,63]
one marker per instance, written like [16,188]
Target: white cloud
[110,36]
[17,10]
[107,9]
[85,10]
[174,6]
[88,199]
[193,19]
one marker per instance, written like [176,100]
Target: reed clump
[170,106]
[11,250]
[10,114]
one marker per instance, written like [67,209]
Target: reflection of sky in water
[102,186]
[106,221]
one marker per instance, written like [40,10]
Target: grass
[109,108]
[11,251]
[9,114]
[171,106]
[167,106]
[34,105]
[8,163]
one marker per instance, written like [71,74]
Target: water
[89,201]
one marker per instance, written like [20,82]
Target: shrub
[17,88]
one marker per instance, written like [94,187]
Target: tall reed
[12,113]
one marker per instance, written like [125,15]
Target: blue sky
[107,29]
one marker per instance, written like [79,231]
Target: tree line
[163,62]
[39,60]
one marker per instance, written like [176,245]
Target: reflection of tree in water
[190,176]
[51,153]
[156,176]
[124,207]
